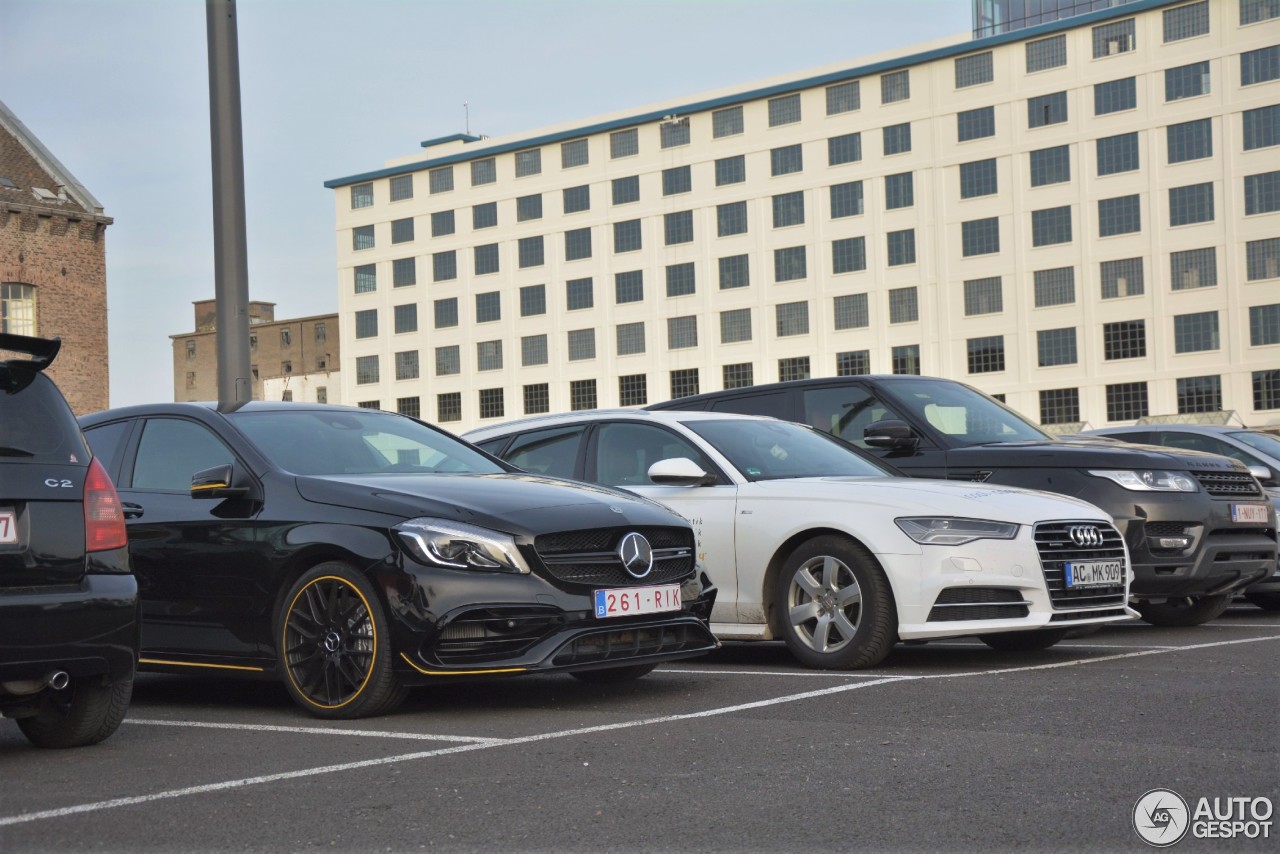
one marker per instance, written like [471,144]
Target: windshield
[773,450]
[966,416]
[36,425]
[1265,442]
[341,442]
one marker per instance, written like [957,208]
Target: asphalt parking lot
[947,746]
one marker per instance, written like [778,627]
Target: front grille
[955,604]
[590,558]
[621,643]
[1088,615]
[1053,541]
[492,634]
[1166,529]
[1228,483]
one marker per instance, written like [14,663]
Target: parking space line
[316,730]
[1075,645]
[810,673]
[63,812]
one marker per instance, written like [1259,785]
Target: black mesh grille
[1228,483]
[590,558]
[1087,615]
[1166,529]
[970,595]
[621,643]
[1053,540]
[492,634]
[977,603]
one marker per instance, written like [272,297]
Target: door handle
[131,510]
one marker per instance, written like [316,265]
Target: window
[484,216]
[626,190]
[446,313]
[902,247]
[1199,394]
[1193,268]
[1121,278]
[677,227]
[1264,325]
[366,370]
[1047,110]
[1185,22]
[1261,129]
[682,332]
[484,172]
[906,359]
[573,153]
[731,170]
[789,264]
[491,403]
[983,296]
[731,219]
[529,207]
[795,368]
[1259,66]
[528,162]
[978,179]
[366,278]
[624,143]
[1261,193]
[1190,140]
[406,318]
[1044,54]
[735,272]
[1127,401]
[904,305]
[972,70]
[582,344]
[844,98]
[486,259]
[488,355]
[1195,333]
[191,345]
[895,87]
[784,110]
[899,191]
[1186,81]
[1060,406]
[1115,96]
[404,272]
[980,236]
[1122,215]
[488,306]
[407,365]
[582,395]
[897,139]
[674,133]
[735,326]
[629,286]
[677,179]
[531,252]
[788,209]
[449,407]
[786,160]
[579,293]
[444,265]
[577,199]
[1191,204]
[1055,287]
[1262,259]
[441,224]
[726,122]
[362,237]
[533,350]
[1124,339]
[851,312]
[1117,154]
[1252,11]
[680,280]
[367,323]
[976,124]
[533,300]
[286,337]
[1051,226]
[440,180]
[577,244]
[741,375]
[684,383]
[410,406]
[792,318]
[1266,390]
[848,255]
[853,363]
[401,188]
[1056,347]
[1051,165]
[1110,39]
[846,199]
[630,338]
[846,148]
[633,390]
[626,236]
[986,355]
[361,196]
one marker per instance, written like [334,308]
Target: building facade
[290,359]
[1081,216]
[53,272]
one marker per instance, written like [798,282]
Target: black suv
[68,601]
[1198,526]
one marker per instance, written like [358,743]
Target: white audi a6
[811,541]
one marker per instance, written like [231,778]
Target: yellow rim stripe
[373,662]
[426,672]
[198,664]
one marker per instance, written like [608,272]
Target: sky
[118,91]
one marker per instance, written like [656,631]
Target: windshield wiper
[15,452]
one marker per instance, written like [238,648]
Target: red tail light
[103,516]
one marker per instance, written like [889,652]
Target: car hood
[515,503]
[1053,454]
[919,497]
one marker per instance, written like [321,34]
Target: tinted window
[624,453]
[1208,444]
[36,425]
[969,417]
[774,404]
[172,450]
[774,450]
[1264,442]
[551,452]
[845,411]
[107,442]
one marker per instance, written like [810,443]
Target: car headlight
[461,546]
[943,531]
[1148,481]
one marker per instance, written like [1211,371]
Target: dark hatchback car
[68,602]
[353,553]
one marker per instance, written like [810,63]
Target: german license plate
[8,528]
[1095,573]
[1254,513]
[627,602]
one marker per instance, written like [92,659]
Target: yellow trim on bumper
[425,672]
[198,664]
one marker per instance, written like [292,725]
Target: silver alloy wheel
[824,604]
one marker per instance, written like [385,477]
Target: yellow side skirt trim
[425,672]
[197,664]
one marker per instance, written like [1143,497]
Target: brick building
[53,274]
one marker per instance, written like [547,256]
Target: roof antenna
[466,108]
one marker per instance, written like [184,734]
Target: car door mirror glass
[678,471]
[890,434]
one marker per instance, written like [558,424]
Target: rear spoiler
[17,373]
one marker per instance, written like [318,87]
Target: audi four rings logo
[636,555]
[1085,535]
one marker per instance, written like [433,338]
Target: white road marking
[317,730]
[842,673]
[1057,646]
[63,812]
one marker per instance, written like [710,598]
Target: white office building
[1081,216]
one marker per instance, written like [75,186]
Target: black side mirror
[217,482]
[890,433]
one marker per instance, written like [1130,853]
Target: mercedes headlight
[1148,481]
[443,542]
[943,531]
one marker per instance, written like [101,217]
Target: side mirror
[678,471]
[890,433]
[1263,474]
[217,482]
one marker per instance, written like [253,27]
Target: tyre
[835,606]
[335,651]
[83,713]
[613,674]
[1184,611]
[1265,601]
[1032,641]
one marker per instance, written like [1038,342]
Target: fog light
[1173,542]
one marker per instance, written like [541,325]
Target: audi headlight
[943,531]
[443,542]
[1148,481]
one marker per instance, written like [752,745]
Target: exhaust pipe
[57,680]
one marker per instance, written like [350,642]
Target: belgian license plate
[1095,573]
[8,528]
[1255,513]
[627,602]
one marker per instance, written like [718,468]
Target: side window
[1208,444]
[171,450]
[774,404]
[845,411]
[550,452]
[492,446]
[107,442]
[624,453]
